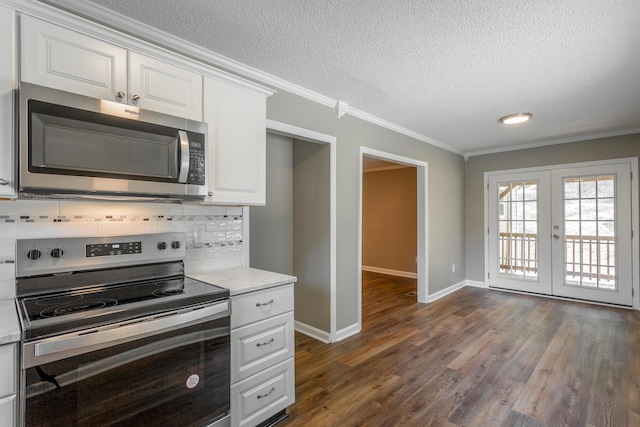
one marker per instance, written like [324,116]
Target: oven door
[169,370]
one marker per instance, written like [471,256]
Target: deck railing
[586,256]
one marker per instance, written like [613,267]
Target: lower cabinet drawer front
[255,306]
[263,395]
[8,411]
[260,345]
[9,368]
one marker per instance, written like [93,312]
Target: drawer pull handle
[260,344]
[260,396]
[260,304]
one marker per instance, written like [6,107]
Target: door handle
[555,236]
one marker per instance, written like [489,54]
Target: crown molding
[552,142]
[93,12]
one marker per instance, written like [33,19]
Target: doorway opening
[392,224]
[295,233]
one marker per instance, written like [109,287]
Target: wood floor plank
[476,357]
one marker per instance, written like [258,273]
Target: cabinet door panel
[7,85]
[55,57]
[237,144]
[7,374]
[8,411]
[165,87]
[259,345]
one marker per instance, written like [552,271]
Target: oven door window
[178,378]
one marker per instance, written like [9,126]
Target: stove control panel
[45,256]
[110,249]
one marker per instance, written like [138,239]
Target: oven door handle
[60,347]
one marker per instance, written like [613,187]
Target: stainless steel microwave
[73,146]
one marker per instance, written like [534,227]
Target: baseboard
[476,284]
[447,291]
[390,272]
[347,332]
[312,332]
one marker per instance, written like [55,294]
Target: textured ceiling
[446,69]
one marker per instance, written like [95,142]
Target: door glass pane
[518,223]
[589,221]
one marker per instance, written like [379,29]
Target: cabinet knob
[4,181]
[121,95]
[135,98]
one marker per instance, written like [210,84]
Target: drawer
[8,411]
[263,395]
[8,372]
[259,345]
[260,305]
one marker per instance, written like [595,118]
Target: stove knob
[175,244]
[34,254]
[56,253]
[162,245]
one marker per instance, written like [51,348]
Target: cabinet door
[55,57]
[164,87]
[7,85]
[237,144]
[8,373]
[8,411]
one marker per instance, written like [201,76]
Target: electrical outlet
[453,268]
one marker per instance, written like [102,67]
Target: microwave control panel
[196,160]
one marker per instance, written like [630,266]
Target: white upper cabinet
[56,57]
[7,85]
[156,85]
[237,144]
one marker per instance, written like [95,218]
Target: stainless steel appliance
[114,334]
[75,146]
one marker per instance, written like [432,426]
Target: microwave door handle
[183,139]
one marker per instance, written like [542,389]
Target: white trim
[415,135]
[443,293]
[557,141]
[299,133]
[109,18]
[423,220]
[476,284]
[635,215]
[284,129]
[635,242]
[347,332]
[312,332]
[390,272]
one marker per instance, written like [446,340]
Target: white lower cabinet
[262,355]
[8,399]
[263,395]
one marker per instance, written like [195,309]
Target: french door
[563,232]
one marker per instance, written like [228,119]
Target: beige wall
[597,149]
[389,221]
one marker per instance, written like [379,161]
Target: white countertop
[242,280]
[9,323]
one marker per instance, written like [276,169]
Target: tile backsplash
[213,234]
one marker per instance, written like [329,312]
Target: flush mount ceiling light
[514,119]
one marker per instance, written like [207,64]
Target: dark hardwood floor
[476,357]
